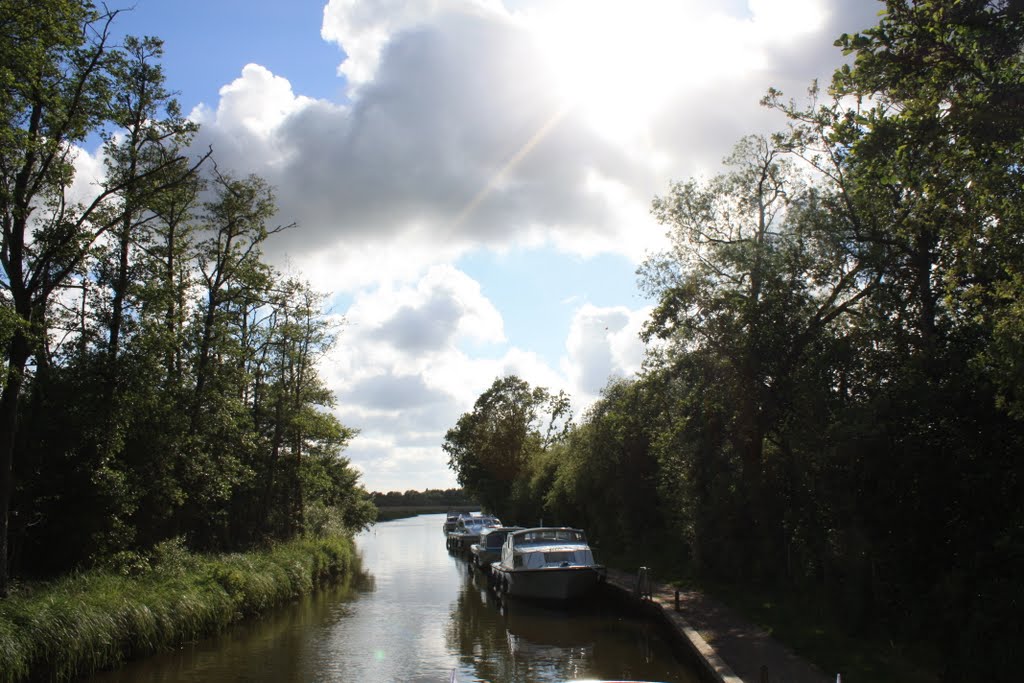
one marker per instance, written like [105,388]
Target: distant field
[401,511]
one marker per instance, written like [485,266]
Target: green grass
[95,620]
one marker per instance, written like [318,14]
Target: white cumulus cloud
[602,343]
[472,125]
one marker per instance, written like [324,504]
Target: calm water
[418,614]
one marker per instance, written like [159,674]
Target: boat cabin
[546,547]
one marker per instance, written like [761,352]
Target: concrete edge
[712,663]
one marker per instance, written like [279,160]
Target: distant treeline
[435,498]
[158,376]
[833,401]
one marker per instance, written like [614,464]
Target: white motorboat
[467,531]
[450,520]
[546,563]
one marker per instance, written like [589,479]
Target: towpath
[733,650]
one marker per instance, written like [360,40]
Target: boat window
[552,536]
[558,557]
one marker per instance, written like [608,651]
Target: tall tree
[490,447]
[143,150]
[925,138]
[56,90]
[229,261]
[761,265]
[233,278]
[287,399]
[149,136]
[928,158]
[606,477]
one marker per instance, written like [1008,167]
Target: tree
[928,159]
[762,264]
[230,266]
[160,378]
[924,137]
[143,145]
[233,279]
[288,402]
[606,475]
[56,90]
[142,152]
[490,447]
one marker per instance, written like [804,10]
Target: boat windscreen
[551,536]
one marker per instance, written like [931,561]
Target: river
[417,614]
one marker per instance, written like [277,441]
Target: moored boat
[467,531]
[546,563]
[450,520]
[488,549]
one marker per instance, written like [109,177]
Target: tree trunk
[18,353]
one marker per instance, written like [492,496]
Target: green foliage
[401,504]
[9,322]
[762,271]
[429,497]
[605,477]
[929,164]
[172,390]
[491,447]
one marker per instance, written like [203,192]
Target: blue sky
[207,42]
[472,179]
[538,289]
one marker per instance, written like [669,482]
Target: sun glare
[599,58]
[618,64]
[611,61]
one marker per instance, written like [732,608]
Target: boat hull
[548,583]
[462,542]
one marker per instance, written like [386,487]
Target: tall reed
[98,619]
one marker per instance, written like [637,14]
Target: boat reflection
[508,639]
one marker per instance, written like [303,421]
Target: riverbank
[88,622]
[754,643]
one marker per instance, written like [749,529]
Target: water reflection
[416,615]
[525,641]
[273,649]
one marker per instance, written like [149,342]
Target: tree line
[831,400]
[159,376]
[427,498]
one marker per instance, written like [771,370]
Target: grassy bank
[95,620]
